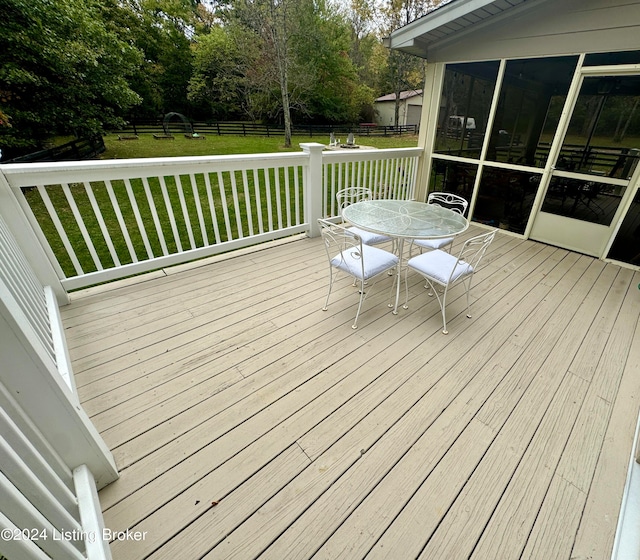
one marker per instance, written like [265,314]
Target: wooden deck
[246,422]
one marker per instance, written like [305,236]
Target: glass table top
[405,218]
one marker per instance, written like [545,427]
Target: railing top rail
[330,156]
[29,174]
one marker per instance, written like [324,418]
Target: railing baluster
[196,198]
[296,186]
[81,225]
[276,178]
[120,218]
[267,188]
[287,195]
[185,211]
[256,188]
[236,204]
[212,207]
[101,223]
[223,202]
[154,214]
[24,287]
[327,196]
[172,218]
[53,214]
[247,201]
[138,218]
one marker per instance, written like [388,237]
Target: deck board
[246,422]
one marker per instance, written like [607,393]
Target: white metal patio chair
[351,195]
[448,200]
[347,253]
[443,269]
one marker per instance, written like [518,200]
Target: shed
[410,109]
[553,91]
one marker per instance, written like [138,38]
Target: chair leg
[442,301]
[326,303]
[468,282]
[355,322]
[443,307]
[406,287]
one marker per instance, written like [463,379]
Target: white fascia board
[406,35]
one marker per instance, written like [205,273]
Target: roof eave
[440,26]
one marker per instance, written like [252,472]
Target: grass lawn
[147,146]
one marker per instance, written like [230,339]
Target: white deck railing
[50,453]
[68,225]
[388,173]
[102,220]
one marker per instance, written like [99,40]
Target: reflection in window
[453,177]
[589,201]
[611,58]
[626,247]
[602,138]
[464,111]
[531,99]
[505,198]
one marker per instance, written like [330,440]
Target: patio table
[405,219]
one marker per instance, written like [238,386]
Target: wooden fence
[257,129]
[82,148]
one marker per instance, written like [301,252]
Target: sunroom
[531,112]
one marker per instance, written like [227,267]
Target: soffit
[453,20]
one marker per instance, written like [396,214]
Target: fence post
[313,186]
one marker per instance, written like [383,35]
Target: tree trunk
[279,36]
[286,110]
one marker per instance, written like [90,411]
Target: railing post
[36,254]
[313,186]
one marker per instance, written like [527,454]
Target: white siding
[549,28]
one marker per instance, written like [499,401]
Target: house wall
[551,27]
[410,111]
[385,113]
[414,110]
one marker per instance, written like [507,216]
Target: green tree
[404,71]
[299,66]
[222,59]
[267,24]
[62,71]
[162,30]
[332,90]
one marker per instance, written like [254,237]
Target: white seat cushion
[375,261]
[438,265]
[369,238]
[433,243]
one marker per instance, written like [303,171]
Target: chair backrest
[448,200]
[474,249]
[338,240]
[351,195]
